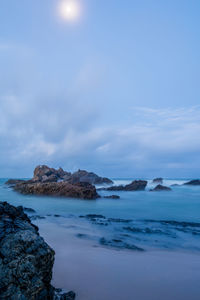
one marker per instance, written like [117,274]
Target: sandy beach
[97,273]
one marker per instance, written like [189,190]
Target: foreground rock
[137,185]
[63,189]
[26,261]
[158,180]
[160,187]
[193,182]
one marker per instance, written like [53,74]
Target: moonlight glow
[69,10]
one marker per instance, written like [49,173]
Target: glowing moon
[69,10]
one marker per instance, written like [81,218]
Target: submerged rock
[65,189]
[112,197]
[160,187]
[13,182]
[158,180]
[193,182]
[136,185]
[118,244]
[26,260]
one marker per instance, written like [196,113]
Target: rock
[26,261]
[136,185]
[193,182]
[158,180]
[160,187]
[112,197]
[29,210]
[64,189]
[12,182]
[90,177]
[119,244]
[45,174]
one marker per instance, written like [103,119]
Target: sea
[144,245]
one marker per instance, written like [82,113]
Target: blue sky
[116,92]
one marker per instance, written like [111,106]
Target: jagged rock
[45,174]
[193,182]
[160,187]
[136,185]
[158,180]
[65,189]
[26,261]
[90,177]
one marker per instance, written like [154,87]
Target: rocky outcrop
[26,261]
[136,185]
[45,174]
[63,189]
[193,182]
[90,177]
[160,187]
[52,182]
[158,180]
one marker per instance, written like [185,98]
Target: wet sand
[97,273]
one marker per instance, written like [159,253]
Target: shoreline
[103,273]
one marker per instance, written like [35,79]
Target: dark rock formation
[160,187]
[90,177]
[45,174]
[65,189]
[112,197]
[136,185]
[26,261]
[49,181]
[158,180]
[193,182]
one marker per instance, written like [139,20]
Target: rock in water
[193,182]
[90,177]
[158,180]
[160,187]
[26,261]
[136,185]
[62,189]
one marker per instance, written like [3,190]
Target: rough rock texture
[49,181]
[65,189]
[26,261]
[90,177]
[160,187]
[158,180]
[136,185]
[193,182]
[45,174]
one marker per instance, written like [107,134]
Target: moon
[69,10]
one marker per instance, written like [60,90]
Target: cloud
[41,122]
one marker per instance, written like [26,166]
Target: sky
[116,91]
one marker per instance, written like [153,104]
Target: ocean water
[110,248]
[144,219]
